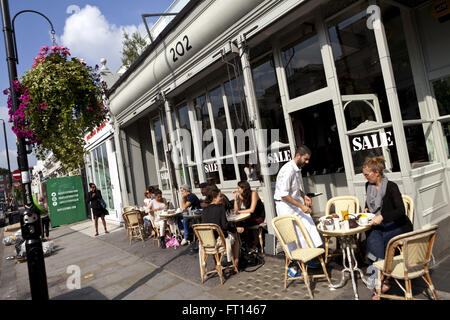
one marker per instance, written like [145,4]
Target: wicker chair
[411,264]
[409,207]
[135,225]
[285,231]
[206,235]
[127,208]
[341,203]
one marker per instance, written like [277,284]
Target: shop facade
[230,88]
[101,169]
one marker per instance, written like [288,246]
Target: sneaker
[293,273]
[184,242]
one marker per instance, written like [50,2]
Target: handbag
[102,203]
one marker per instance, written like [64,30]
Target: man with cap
[188,201]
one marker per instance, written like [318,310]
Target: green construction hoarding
[66,200]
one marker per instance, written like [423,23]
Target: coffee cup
[329,227]
[364,221]
[346,225]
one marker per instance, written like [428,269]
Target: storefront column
[120,164]
[173,152]
[394,104]
[333,84]
[252,104]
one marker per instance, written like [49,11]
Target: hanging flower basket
[60,101]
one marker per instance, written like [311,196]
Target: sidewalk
[112,269]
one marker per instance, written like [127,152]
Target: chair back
[343,203]
[206,235]
[409,207]
[417,248]
[134,218]
[127,208]
[286,233]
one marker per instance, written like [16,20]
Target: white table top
[342,233]
[238,217]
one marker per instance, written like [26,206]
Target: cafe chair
[260,228]
[285,231]
[135,225]
[206,235]
[409,207]
[340,203]
[157,235]
[127,208]
[412,263]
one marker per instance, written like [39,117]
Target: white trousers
[284,208]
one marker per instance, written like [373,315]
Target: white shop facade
[349,79]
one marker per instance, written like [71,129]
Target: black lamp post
[30,221]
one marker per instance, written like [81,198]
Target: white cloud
[89,35]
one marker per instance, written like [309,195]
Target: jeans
[184,223]
[378,238]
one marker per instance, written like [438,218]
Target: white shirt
[288,183]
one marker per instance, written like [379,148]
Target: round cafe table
[235,218]
[347,239]
[167,216]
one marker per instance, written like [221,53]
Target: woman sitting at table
[215,213]
[383,198]
[147,201]
[253,205]
[156,205]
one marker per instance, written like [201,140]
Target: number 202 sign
[180,49]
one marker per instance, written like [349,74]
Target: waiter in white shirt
[290,199]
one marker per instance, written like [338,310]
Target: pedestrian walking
[98,206]
[45,219]
[290,198]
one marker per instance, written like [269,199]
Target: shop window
[401,64]
[356,112]
[446,131]
[272,118]
[316,128]
[356,57]
[101,174]
[302,61]
[417,146]
[160,152]
[442,94]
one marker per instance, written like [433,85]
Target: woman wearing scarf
[383,198]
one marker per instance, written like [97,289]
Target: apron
[284,208]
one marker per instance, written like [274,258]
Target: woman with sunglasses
[95,196]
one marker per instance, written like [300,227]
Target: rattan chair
[409,207]
[341,203]
[411,264]
[285,231]
[135,225]
[127,208]
[206,235]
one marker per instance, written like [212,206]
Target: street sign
[16,175]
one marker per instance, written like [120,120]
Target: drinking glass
[344,214]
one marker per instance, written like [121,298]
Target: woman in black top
[215,213]
[384,199]
[94,198]
[253,205]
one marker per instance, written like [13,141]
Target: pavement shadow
[87,293]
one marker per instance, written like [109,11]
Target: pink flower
[43,105]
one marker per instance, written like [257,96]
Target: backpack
[172,242]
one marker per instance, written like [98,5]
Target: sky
[90,29]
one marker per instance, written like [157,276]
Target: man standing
[290,199]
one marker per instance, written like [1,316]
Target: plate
[362,225]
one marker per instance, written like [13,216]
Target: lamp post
[7,156]
[30,221]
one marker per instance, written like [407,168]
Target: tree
[132,47]
[4,171]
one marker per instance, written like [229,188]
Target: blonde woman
[383,198]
